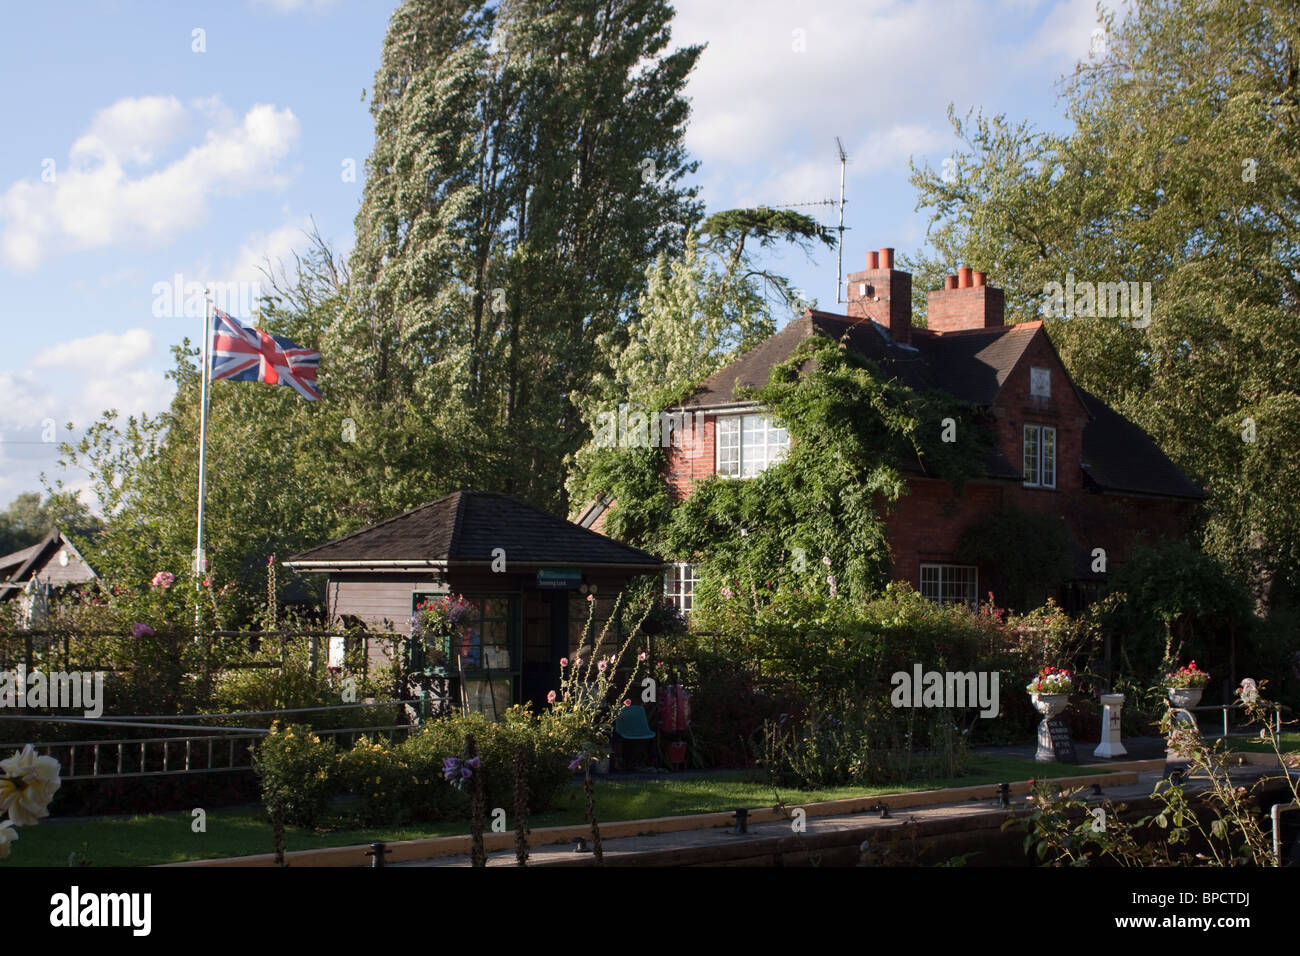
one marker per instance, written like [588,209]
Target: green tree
[527,166]
[1182,170]
[28,519]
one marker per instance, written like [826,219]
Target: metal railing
[197,749]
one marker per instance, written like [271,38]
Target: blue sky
[137,150]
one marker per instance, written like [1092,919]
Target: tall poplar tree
[527,166]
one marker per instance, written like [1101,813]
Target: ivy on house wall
[819,512]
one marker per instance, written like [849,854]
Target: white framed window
[679,586]
[950,584]
[746,444]
[1040,456]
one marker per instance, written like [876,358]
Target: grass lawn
[167,838]
[1290,743]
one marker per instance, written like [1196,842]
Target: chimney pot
[963,277]
[873,260]
[979,278]
[887,258]
[950,282]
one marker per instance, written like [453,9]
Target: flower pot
[1185,697]
[1050,705]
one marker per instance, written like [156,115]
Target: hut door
[542,653]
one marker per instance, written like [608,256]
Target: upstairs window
[1040,456]
[1040,383]
[747,444]
[679,587]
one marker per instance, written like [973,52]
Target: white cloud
[131,129]
[277,245]
[107,352]
[1066,34]
[94,203]
[77,380]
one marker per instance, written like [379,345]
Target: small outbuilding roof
[466,528]
[18,567]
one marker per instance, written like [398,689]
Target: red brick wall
[887,299]
[975,307]
[1015,408]
[688,466]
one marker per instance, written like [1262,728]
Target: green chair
[631,724]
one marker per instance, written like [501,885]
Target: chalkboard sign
[1062,745]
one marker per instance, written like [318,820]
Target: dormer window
[1040,456]
[747,444]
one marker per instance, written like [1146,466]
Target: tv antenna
[839,229]
[839,240]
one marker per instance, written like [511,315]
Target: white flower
[28,786]
[7,835]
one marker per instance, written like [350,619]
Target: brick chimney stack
[883,294]
[966,301]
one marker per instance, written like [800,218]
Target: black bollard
[377,852]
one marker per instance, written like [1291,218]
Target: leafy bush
[298,773]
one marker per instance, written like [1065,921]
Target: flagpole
[199,561]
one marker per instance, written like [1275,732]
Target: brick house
[1059,451]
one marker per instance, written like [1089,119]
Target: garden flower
[141,630]
[564,662]
[550,698]
[641,657]
[576,763]
[164,579]
[726,593]
[450,767]
[28,786]
[578,662]
[7,835]
[628,702]
[826,561]
[601,666]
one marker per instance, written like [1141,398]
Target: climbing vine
[819,512]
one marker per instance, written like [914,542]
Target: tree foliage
[1182,170]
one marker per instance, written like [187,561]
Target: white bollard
[1110,746]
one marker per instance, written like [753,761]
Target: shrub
[297,772]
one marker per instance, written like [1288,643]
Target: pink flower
[628,702]
[164,580]
[601,666]
[726,593]
[550,698]
[564,662]
[591,597]
[578,662]
[642,656]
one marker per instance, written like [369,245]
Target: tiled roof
[968,365]
[466,526]
[972,366]
[1120,456]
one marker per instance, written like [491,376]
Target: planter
[1049,705]
[1185,697]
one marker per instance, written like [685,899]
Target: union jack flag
[251,355]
